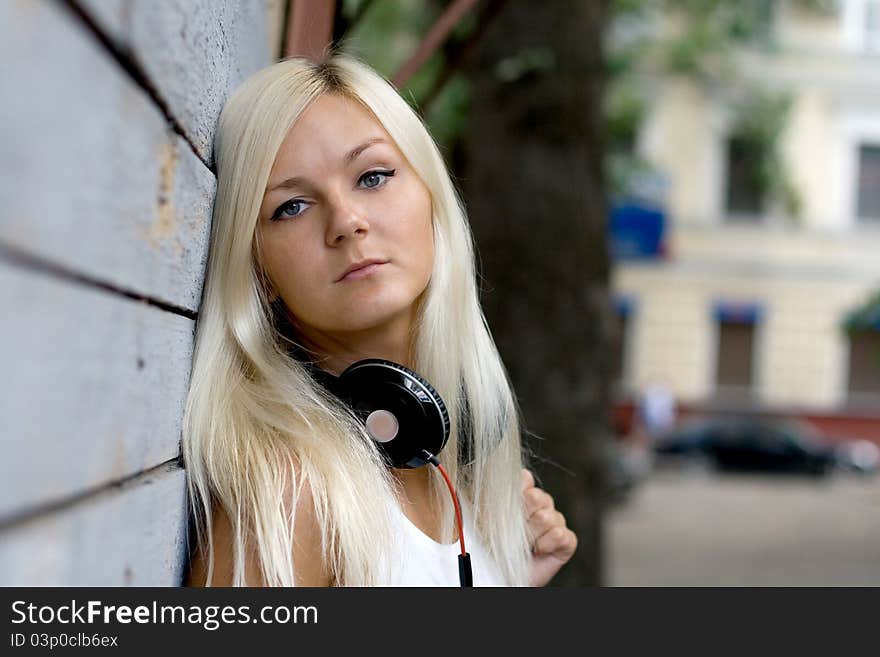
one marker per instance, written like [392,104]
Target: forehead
[326,131]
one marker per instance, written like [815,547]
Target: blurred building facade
[745,304]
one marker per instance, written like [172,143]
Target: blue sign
[636,231]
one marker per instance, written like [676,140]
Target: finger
[559,542]
[541,522]
[536,499]
[528,480]
[543,519]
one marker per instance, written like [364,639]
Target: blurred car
[858,455]
[749,444]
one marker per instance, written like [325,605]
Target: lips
[364,266]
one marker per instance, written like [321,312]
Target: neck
[338,349]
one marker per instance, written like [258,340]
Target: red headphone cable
[465,574]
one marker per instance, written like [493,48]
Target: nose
[346,221]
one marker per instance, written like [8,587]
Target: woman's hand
[553,544]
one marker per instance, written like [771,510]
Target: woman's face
[341,195]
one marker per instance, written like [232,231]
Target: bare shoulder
[310,568]
[222,538]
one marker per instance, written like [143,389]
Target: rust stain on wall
[24,11]
[164,227]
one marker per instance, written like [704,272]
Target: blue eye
[376,178]
[292,208]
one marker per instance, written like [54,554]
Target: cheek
[429,249]
[299,291]
[419,244]
[422,237]
[289,269]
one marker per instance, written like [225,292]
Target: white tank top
[419,560]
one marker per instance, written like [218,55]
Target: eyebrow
[348,159]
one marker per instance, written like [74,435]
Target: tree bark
[534,187]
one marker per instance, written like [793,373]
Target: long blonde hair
[257,427]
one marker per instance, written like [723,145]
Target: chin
[375,312]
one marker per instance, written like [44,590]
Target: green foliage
[701,45]
[711,29]
[388,31]
[387,34]
[523,62]
[866,316]
[760,120]
[624,107]
[625,110]
[827,7]
[446,115]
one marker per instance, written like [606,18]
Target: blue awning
[738,312]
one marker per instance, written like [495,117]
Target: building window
[869,183]
[744,198]
[864,365]
[736,323]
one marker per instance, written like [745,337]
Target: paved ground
[704,529]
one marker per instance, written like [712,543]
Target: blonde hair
[257,427]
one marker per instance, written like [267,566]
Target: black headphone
[400,410]
[404,415]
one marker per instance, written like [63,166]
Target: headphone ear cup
[423,424]
[444,412]
[435,396]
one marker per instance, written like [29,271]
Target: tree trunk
[534,188]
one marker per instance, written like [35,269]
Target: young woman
[338,236]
